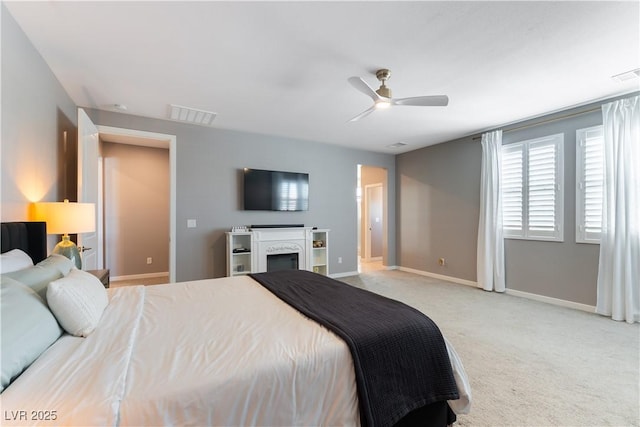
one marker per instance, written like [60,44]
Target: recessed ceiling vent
[191,115]
[623,77]
[397,145]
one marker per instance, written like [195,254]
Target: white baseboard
[440,276]
[515,293]
[372,259]
[139,276]
[551,300]
[355,273]
[346,274]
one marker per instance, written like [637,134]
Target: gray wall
[209,164]
[136,184]
[438,200]
[36,113]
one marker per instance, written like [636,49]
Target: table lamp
[67,218]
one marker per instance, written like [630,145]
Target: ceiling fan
[382,97]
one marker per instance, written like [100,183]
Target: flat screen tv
[266,190]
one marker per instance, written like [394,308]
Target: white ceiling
[281,68]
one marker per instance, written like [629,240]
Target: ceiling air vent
[623,77]
[397,145]
[191,115]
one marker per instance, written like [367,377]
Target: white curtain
[490,258]
[619,267]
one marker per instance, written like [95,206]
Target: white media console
[270,249]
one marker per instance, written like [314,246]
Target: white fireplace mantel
[272,241]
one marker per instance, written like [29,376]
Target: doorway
[139,139]
[372,218]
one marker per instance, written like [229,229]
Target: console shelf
[320,257]
[238,253]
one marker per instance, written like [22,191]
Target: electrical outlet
[339,260]
[149,260]
[441,262]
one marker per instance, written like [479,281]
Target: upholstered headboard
[31,237]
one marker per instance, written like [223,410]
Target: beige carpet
[529,363]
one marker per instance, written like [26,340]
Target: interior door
[374,220]
[89,188]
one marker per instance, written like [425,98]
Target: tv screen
[266,190]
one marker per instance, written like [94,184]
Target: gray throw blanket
[400,358]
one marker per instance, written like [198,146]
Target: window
[532,196]
[589,181]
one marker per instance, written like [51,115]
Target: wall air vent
[191,115]
[623,77]
[397,145]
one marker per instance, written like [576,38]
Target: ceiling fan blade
[424,101]
[365,113]
[363,87]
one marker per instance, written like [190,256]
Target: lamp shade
[67,217]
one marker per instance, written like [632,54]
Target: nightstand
[103,275]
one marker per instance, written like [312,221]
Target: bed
[224,351]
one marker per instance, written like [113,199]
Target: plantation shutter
[589,182]
[542,214]
[532,196]
[512,190]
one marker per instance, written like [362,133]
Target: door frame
[365,217]
[89,183]
[161,139]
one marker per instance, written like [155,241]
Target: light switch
[191,223]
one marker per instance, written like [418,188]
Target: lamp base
[68,249]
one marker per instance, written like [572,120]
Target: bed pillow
[59,262]
[37,277]
[28,328]
[14,260]
[77,301]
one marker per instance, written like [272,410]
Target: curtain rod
[553,119]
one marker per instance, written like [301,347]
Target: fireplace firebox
[278,262]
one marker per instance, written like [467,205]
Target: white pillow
[14,260]
[77,301]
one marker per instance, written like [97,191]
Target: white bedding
[211,352]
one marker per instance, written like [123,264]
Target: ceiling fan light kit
[382,98]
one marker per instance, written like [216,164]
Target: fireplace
[281,248]
[277,248]
[282,262]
